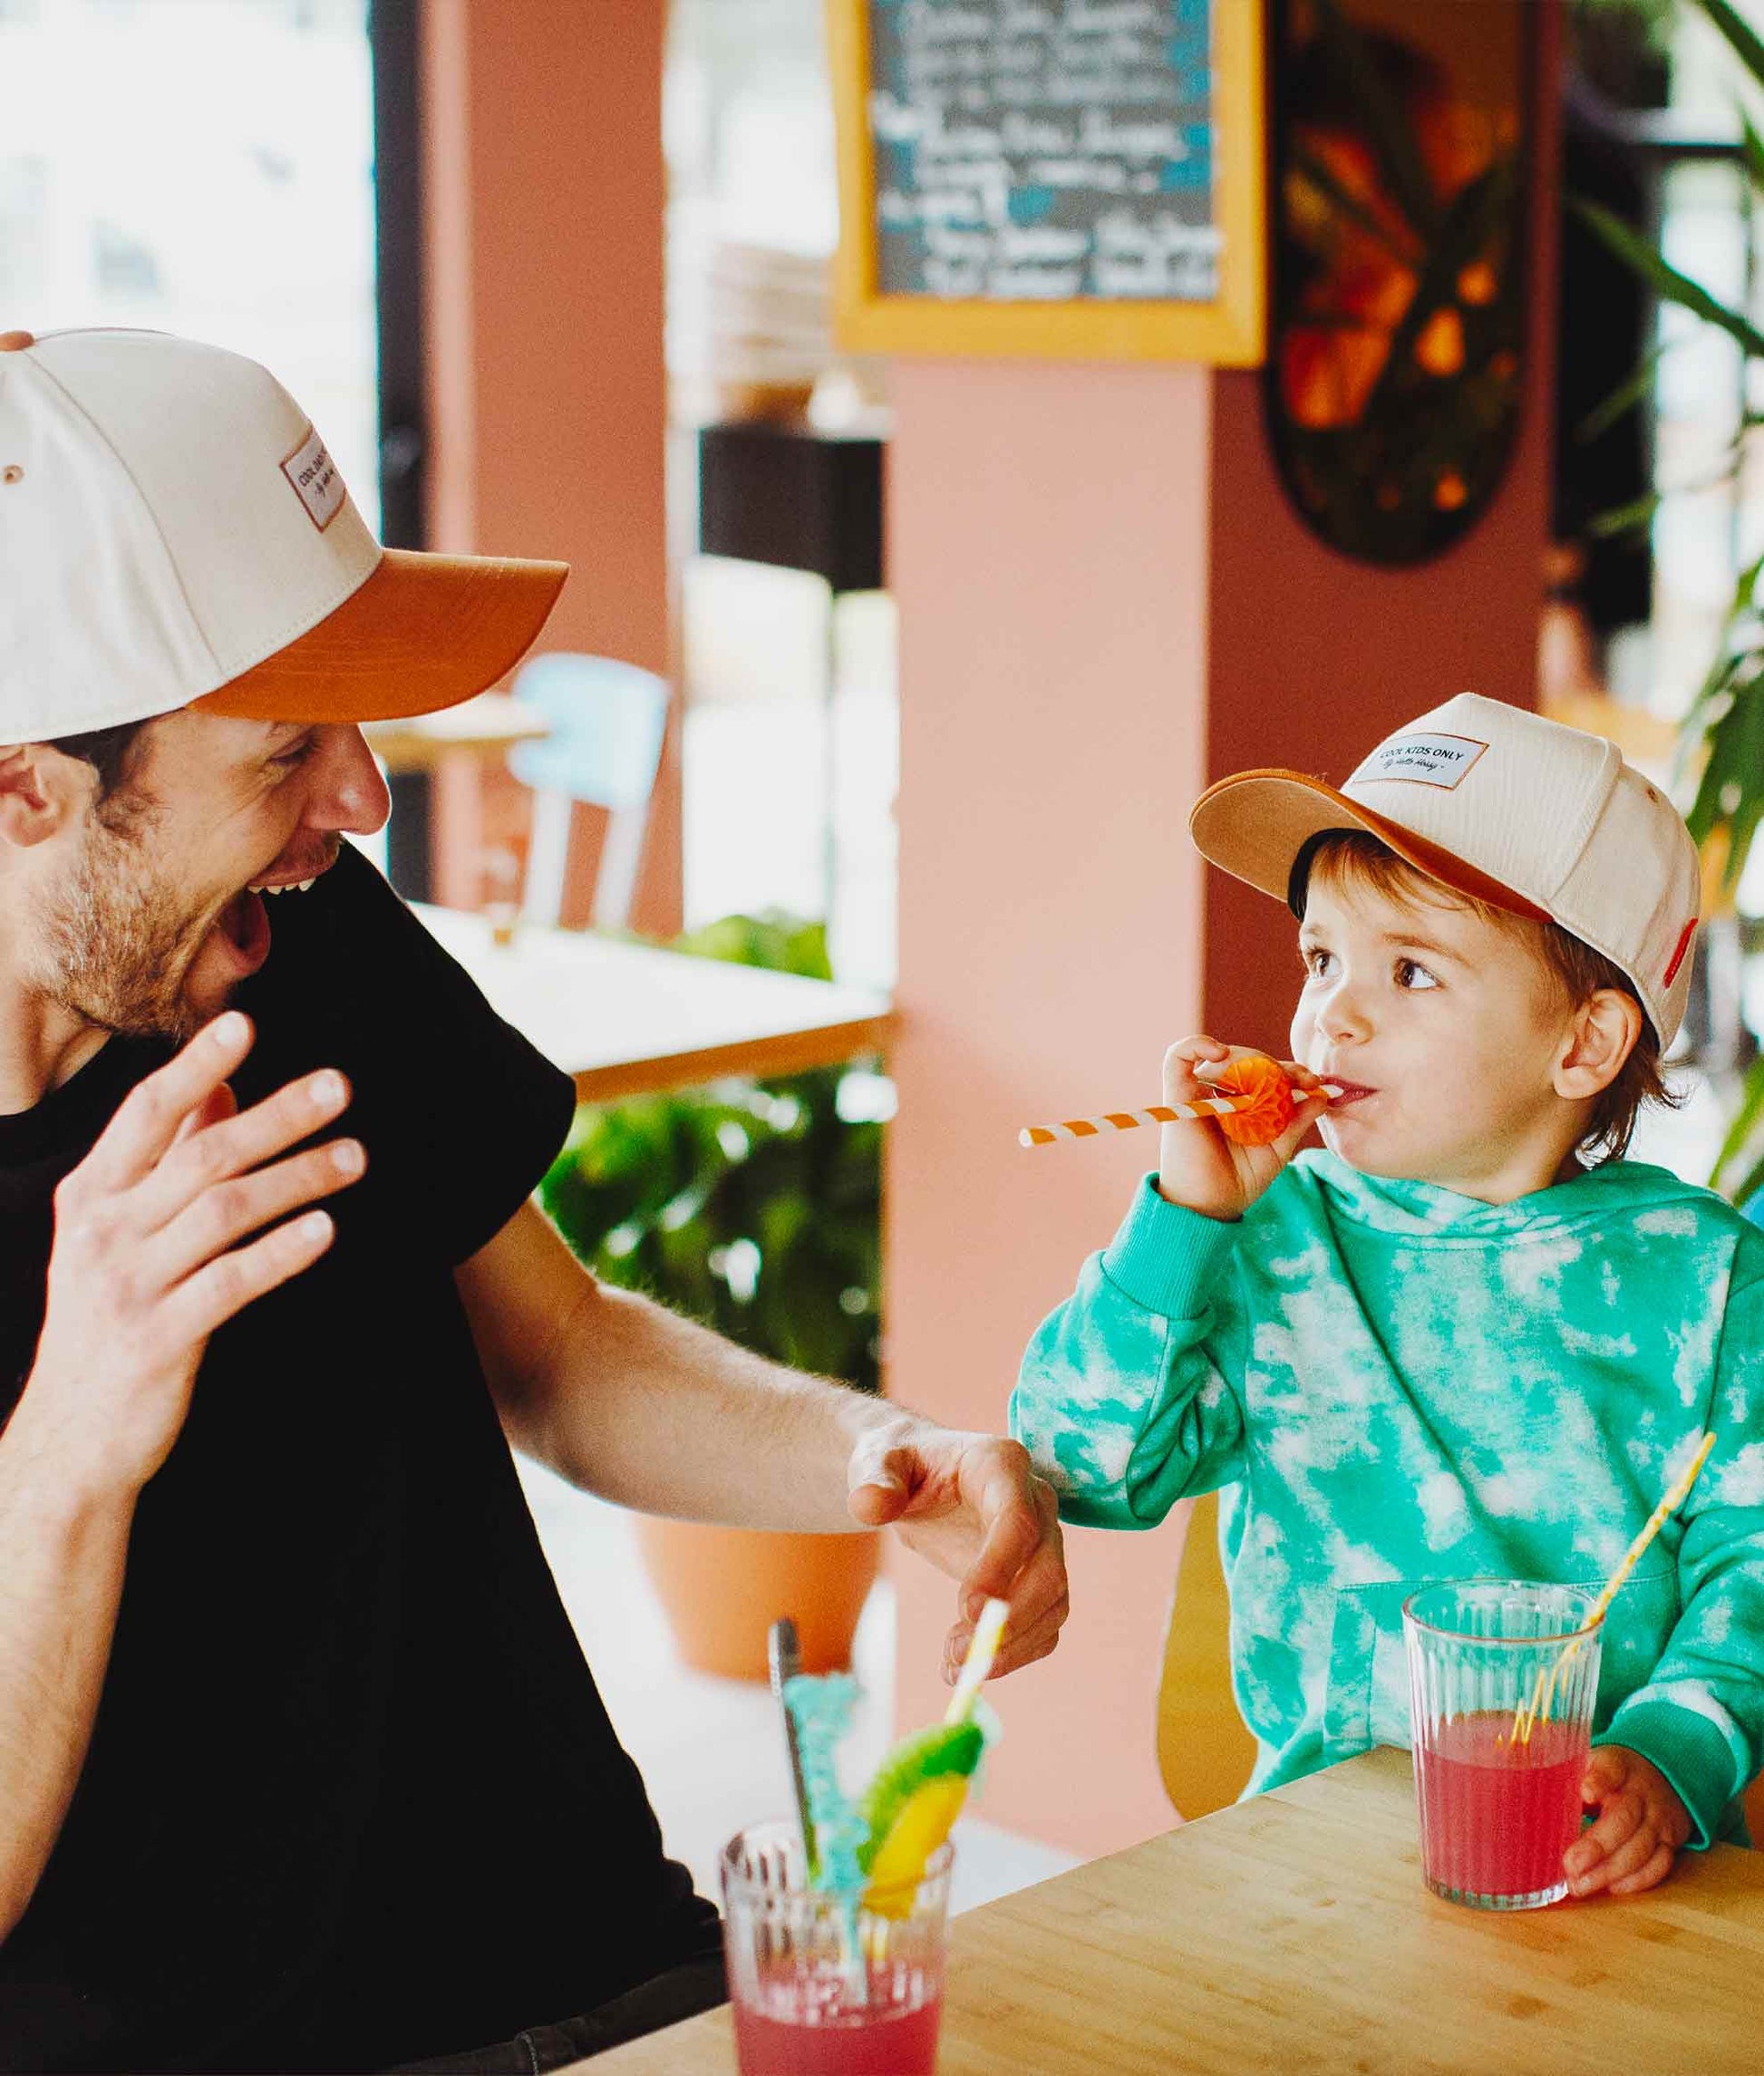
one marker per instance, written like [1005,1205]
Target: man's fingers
[881,1458]
[210,1297]
[1037,1586]
[230,1210]
[148,1118]
[238,1144]
[1014,1524]
[875,1504]
[1648,1875]
[212,1109]
[1021,1647]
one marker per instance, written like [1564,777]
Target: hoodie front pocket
[1367,1701]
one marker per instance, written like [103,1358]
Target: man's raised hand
[175,1220]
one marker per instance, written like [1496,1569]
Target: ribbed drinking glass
[1502,1678]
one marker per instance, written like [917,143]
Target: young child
[1469,1338]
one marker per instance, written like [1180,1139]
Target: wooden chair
[1205,1754]
[605,722]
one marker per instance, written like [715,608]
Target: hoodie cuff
[1168,1258]
[1691,1753]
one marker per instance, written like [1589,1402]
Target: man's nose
[350,794]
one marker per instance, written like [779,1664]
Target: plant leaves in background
[1740,33]
[1666,280]
[752,1206]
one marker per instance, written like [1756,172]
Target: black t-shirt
[351,1797]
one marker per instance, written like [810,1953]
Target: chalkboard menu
[1057,177]
[1043,149]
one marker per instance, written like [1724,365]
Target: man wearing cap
[300,1764]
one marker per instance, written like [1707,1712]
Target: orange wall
[1104,603]
[545,199]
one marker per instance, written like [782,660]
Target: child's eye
[1316,961]
[1414,976]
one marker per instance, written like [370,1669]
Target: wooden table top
[1292,1932]
[487,726]
[626,1019]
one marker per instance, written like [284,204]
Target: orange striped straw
[1158,1113]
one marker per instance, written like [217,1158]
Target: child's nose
[1343,1014]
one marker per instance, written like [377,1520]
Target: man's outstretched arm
[626,1400]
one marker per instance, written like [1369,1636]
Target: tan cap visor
[1254,825]
[422,633]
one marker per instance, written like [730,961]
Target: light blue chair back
[607,722]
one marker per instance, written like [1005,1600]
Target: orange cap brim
[424,631]
[1254,824]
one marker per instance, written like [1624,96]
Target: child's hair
[1356,857]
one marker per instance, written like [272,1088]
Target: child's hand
[1641,1825]
[1197,1165]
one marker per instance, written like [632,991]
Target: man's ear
[1602,1036]
[40,792]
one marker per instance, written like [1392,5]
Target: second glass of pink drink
[818,1984]
[1499,1788]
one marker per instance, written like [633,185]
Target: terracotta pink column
[1048,549]
[545,197]
[1104,603]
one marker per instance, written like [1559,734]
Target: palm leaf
[1624,519]
[1751,148]
[1746,42]
[1627,395]
[1667,281]
[1739,1135]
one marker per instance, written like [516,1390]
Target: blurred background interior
[557,279]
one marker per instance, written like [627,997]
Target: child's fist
[1197,1165]
[1640,1827]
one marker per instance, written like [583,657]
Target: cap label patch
[317,479]
[1428,759]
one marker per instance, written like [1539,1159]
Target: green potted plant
[754,1208]
[1722,737]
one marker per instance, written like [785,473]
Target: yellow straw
[1525,1717]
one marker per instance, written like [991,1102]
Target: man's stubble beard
[114,942]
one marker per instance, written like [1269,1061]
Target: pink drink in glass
[1503,1683]
[1499,1814]
[800,2023]
[820,1983]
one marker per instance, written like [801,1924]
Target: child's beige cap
[1524,813]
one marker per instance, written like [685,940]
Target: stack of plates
[771,329]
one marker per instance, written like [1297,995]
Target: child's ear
[1601,1037]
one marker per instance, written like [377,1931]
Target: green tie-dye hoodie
[1395,1384]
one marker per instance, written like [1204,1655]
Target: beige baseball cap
[173,533]
[1524,813]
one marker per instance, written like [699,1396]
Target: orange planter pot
[723,1589]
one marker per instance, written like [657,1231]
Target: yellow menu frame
[1229,332]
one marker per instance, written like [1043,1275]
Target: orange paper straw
[1525,1717]
[1158,1113]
